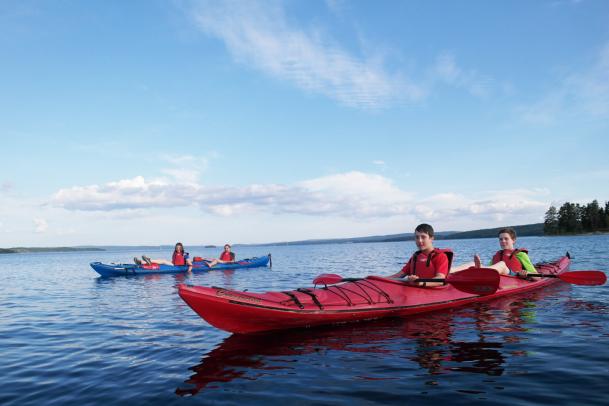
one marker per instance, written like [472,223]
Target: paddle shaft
[543,275]
[432,280]
[421,280]
[396,279]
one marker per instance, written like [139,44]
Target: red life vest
[510,259]
[178,258]
[425,268]
[227,256]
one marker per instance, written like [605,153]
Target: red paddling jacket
[178,258]
[227,256]
[428,265]
[510,259]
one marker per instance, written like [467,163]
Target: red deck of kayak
[246,312]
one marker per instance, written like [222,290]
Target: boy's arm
[526,262]
[402,272]
[441,265]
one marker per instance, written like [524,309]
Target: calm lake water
[68,337]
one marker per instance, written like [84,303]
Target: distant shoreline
[27,250]
[529,230]
[526,230]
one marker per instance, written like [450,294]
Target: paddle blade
[477,281]
[327,279]
[588,278]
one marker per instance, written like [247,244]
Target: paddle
[587,278]
[478,281]
[332,279]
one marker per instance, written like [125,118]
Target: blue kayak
[133,269]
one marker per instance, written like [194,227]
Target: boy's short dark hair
[508,230]
[424,228]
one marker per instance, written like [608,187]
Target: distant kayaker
[509,260]
[226,256]
[179,258]
[428,262]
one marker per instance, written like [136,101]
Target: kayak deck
[247,312]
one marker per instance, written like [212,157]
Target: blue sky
[149,122]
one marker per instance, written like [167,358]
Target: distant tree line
[573,218]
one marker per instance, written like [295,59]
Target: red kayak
[368,298]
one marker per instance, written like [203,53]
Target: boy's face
[506,242]
[423,240]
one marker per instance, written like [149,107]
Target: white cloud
[581,93]
[355,195]
[348,194]
[124,194]
[40,225]
[6,186]
[566,3]
[336,6]
[181,160]
[545,110]
[258,34]
[378,162]
[591,89]
[186,168]
[487,206]
[153,211]
[446,70]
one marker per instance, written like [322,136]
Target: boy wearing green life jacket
[509,260]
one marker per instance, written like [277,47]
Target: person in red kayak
[226,256]
[179,258]
[509,260]
[428,262]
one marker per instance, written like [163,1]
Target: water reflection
[468,340]
[438,351]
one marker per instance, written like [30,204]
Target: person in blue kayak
[509,260]
[226,256]
[427,262]
[179,258]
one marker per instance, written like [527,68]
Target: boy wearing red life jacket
[428,262]
[508,260]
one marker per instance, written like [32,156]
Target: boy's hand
[523,273]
